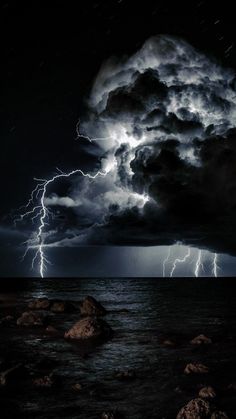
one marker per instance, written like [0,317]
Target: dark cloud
[161,126]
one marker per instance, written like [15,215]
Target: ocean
[143,313]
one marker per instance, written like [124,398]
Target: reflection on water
[156,309]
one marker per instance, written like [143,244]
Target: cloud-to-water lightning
[215,265]
[178,260]
[165,261]
[199,264]
[41,212]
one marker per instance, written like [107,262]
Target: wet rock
[91,307]
[89,327]
[207,393]
[110,415]
[77,387]
[195,409]
[44,382]
[51,329]
[30,318]
[196,368]
[169,343]
[5,374]
[39,304]
[59,307]
[201,340]
[126,375]
[219,415]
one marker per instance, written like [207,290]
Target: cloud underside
[163,121]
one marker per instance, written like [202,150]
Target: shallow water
[157,309]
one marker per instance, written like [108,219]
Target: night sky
[51,52]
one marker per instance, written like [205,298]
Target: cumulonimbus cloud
[164,120]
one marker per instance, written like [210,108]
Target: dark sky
[50,55]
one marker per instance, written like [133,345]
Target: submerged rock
[91,307]
[77,387]
[59,307]
[126,375]
[39,304]
[45,381]
[30,318]
[196,368]
[51,329]
[201,340]
[207,393]
[219,415]
[169,343]
[110,415]
[195,409]
[89,327]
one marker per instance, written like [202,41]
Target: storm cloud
[163,121]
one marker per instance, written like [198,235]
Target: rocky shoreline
[42,317]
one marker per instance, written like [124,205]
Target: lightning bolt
[199,264]
[41,212]
[215,265]
[86,137]
[165,262]
[180,261]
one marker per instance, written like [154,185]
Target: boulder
[196,368]
[91,307]
[39,304]
[201,340]
[219,415]
[195,409]
[207,393]
[30,318]
[89,327]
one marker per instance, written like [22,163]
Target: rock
[39,304]
[4,375]
[219,415]
[91,307]
[201,340]
[168,342]
[89,327]
[195,409]
[29,318]
[126,375]
[109,415]
[51,329]
[196,368]
[58,307]
[45,381]
[207,393]
[77,387]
